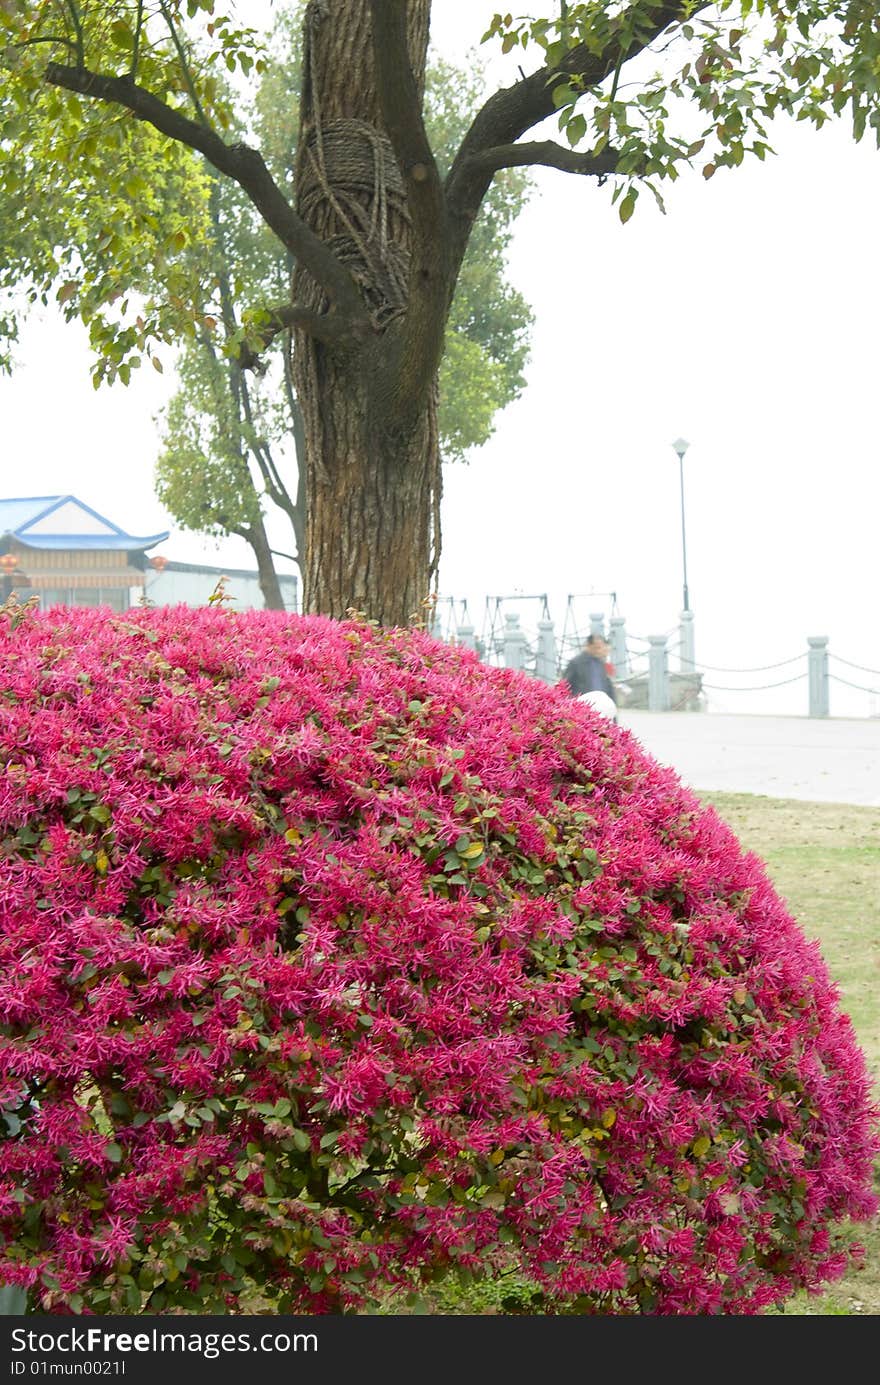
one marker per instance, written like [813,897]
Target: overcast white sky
[744,320]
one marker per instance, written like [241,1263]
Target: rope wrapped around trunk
[352,194]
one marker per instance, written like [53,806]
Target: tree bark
[371,520]
[255,535]
[269,584]
[371,457]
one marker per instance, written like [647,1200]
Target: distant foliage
[332,961]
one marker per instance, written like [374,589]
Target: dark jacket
[585,673]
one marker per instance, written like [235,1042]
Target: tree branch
[184,63]
[46,38]
[546,153]
[508,114]
[136,45]
[329,328]
[78,29]
[422,331]
[246,167]
[262,454]
[300,506]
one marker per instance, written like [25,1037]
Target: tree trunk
[269,584]
[371,520]
[297,510]
[372,472]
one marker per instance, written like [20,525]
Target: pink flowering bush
[332,961]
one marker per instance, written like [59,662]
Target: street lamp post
[680,446]
[686,657]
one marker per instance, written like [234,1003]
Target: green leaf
[494,1200]
[471,851]
[576,129]
[627,205]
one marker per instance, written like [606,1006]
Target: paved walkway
[827,761]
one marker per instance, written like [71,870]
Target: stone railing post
[658,675]
[546,659]
[597,623]
[514,644]
[466,636]
[817,661]
[686,658]
[617,641]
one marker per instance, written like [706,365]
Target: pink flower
[384,962]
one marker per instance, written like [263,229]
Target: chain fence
[518,630]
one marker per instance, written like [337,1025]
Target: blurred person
[588,672]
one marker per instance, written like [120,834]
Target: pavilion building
[59,549]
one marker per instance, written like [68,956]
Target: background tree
[252,430]
[204,475]
[376,233]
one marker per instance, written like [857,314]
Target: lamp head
[680,446]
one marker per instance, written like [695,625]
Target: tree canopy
[105,102]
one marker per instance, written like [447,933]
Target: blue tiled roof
[17,516]
[16,512]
